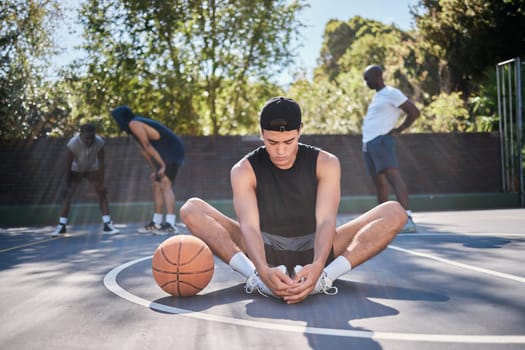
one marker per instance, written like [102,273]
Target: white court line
[462,234]
[110,281]
[461,265]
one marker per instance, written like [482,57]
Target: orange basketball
[182,265]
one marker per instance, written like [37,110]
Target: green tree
[471,37]
[446,113]
[348,48]
[411,62]
[330,108]
[361,42]
[29,105]
[192,64]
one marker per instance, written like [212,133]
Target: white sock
[157,218]
[106,219]
[409,213]
[62,221]
[336,268]
[240,263]
[170,219]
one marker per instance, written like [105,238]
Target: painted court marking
[110,281]
[29,244]
[461,265]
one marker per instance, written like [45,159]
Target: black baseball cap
[123,116]
[280,114]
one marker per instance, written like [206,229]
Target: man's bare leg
[168,196]
[382,187]
[399,186]
[221,233]
[158,198]
[366,236]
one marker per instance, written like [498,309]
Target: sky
[315,18]
[321,11]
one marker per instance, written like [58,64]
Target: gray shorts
[380,154]
[290,251]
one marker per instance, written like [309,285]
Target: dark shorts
[380,154]
[171,171]
[76,177]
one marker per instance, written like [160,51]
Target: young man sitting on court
[286,196]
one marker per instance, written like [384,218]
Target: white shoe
[109,229]
[150,228]
[323,285]
[254,283]
[410,226]
[165,229]
[61,229]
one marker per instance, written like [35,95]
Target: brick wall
[33,173]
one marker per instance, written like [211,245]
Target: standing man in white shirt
[85,160]
[379,132]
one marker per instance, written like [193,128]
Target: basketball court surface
[458,283]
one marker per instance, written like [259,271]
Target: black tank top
[169,146]
[286,198]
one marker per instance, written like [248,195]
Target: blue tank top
[286,198]
[169,145]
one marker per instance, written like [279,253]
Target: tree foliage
[445,65]
[205,67]
[471,36]
[192,64]
[29,106]
[445,113]
[330,108]
[348,48]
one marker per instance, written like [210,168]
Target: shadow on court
[353,302]
[457,283]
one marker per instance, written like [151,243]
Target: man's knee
[155,185]
[393,175]
[101,190]
[165,184]
[395,213]
[380,179]
[192,207]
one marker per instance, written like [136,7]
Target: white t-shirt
[85,157]
[383,113]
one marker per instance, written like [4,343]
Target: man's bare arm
[412,113]
[245,204]
[327,205]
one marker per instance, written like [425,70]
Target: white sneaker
[165,229]
[323,285]
[109,229]
[254,283]
[150,228]
[61,229]
[410,226]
